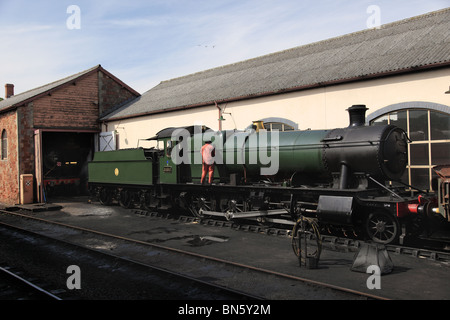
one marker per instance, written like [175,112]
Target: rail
[307,283]
[35,290]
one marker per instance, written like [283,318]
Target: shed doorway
[61,163]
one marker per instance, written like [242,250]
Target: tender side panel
[121,167]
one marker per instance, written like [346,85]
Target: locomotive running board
[249,214]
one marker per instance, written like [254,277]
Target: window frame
[428,143]
[284,126]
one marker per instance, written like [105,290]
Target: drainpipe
[220,115]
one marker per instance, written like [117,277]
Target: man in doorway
[208,154]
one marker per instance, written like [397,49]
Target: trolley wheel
[382,227]
[308,229]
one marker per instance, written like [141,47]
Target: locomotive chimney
[357,115]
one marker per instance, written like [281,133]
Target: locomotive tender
[342,177]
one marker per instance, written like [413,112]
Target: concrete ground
[411,278]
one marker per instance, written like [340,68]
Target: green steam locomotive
[345,178]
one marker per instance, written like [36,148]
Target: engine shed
[50,132]
[400,71]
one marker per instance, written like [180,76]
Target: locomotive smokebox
[357,115]
[360,150]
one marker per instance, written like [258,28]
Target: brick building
[50,132]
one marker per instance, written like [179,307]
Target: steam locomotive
[346,178]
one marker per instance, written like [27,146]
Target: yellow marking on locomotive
[116,171]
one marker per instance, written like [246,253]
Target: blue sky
[145,42]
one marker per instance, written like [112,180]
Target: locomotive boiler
[342,157]
[341,177]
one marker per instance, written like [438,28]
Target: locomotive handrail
[335,138]
[384,187]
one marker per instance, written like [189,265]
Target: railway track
[428,249]
[181,286]
[218,278]
[14,285]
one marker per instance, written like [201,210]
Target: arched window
[428,127]
[4,145]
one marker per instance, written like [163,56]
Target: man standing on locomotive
[208,154]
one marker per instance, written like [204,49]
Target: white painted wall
[319,108]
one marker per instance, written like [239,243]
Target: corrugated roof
[403,46]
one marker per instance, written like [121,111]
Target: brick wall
[78,105]
[9,181]
[111,93]
[74,106]
[26,139]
